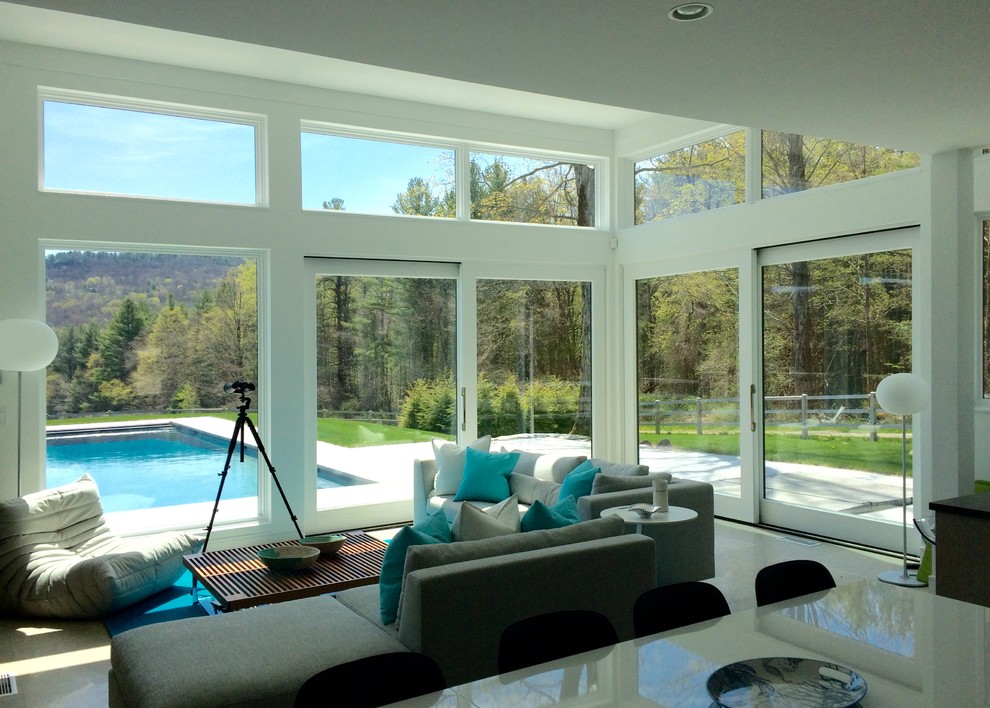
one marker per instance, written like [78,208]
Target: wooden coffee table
[237,578]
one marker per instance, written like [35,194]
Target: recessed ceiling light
[690,11]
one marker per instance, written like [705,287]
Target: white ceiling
[908,74]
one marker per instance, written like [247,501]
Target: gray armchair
[685,551]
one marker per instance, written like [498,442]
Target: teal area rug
[175,602]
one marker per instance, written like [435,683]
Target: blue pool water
[160,466]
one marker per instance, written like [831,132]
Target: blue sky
[120,151]
[91,148]
[368,174]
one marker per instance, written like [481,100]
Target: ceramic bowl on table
[327,544]
[289,557]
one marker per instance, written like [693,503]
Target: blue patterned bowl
[785,681]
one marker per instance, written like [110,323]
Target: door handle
[463,408]
[752,408]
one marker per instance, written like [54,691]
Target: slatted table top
[237,578]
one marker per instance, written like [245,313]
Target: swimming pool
[155,466]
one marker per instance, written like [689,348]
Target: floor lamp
[903,395]
[25,345]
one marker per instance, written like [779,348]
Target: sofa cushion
[619,469]
[552,468]
[529,489]
[486,475]
[473,523]
[433,530]
[430,556]
[605,483]
[450,462]
[258,657]
[540,516]
[578,481]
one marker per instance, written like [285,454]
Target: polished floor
[64,663]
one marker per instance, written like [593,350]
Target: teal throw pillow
[486,476]
[433,530]
[578,481]
[540,516]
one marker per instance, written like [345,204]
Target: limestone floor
[64,663]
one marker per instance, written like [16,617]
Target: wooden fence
[855,412]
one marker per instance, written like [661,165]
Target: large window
[532,190]
[534,364]
[136,394]
[705,176]
[341,173]
[794,163]
[688,376]
[124,147]
[835,323]
[385,336]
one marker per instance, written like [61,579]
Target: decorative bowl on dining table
[774,682]
[289,557]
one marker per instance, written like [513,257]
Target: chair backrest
[375,681]
[672,606]
[553,635]
[783,581]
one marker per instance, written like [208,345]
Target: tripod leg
[271,469]
[238,431]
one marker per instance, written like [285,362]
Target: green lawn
[855,452]
[845,451]
[347,433]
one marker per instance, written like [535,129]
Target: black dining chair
[672,606]
[553,635]
[375,681]
[789,579]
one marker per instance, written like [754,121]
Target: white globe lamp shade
[26,345]
[903,394]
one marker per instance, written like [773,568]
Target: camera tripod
[241,387]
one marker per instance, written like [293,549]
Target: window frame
[258,121]
[462,157]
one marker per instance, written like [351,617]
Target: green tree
[704,176]
[164,361]
[117,358]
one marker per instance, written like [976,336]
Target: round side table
[673,515]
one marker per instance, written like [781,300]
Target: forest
[155,332]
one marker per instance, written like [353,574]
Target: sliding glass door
[687,364]
[836,319]
[534,382]
[385,363]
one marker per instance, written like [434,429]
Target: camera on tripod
[240,387]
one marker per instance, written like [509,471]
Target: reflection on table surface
[911,646]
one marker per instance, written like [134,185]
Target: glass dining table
[912,647]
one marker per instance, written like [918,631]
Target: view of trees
[387,345]
[712,174]
[792,163]
[688,328]
[697,178]
[514,189]
[151,331]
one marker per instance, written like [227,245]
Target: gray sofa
[456,600]
[684,551]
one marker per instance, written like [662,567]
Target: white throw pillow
[549,467]
[473,523]
[450,462]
